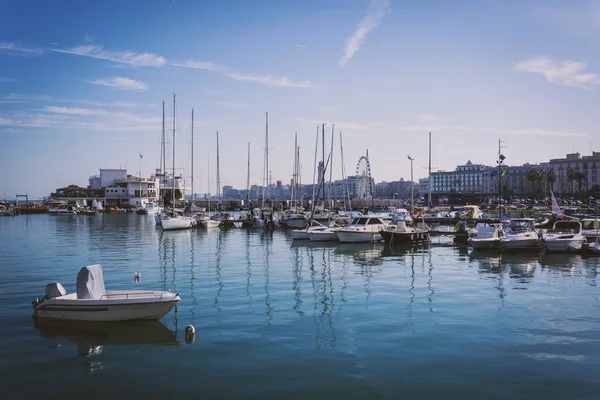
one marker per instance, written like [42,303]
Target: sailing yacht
[174,221]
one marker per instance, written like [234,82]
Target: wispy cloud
[235,105]
[568,73]
[352,126]
[270,80]
[4,79]
[14,49]
[75,111]
[377,10]
[121,83]
[301,46]
[16,97]
[205,65]
[123,56]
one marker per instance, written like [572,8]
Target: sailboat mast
[266,165]
[248,179]
[218,172]
[331,165]
[429,178]
[193,195]
[162,155]
[173,153]
[322,177]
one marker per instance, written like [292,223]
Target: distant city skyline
[81,86]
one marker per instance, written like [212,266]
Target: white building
[587,165]
[467,178]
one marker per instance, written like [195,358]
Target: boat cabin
[566,227]
[522,225]
[367,220]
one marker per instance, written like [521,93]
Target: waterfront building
[576,173]
[467,178]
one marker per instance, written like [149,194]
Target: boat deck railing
[135,294]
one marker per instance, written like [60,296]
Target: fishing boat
[487,237]
[521,234]
[401,230]
[365,228]
[92,302]
[564,236]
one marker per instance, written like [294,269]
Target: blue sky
[81,85]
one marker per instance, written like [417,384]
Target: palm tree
[550,176]
[579,177]
[571,178]
[535,175]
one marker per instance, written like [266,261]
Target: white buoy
[137,276]
[190,334]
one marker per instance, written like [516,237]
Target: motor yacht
[564,236]
[521,234]
[487,237]
[92,302]
[590,229]
[365,228]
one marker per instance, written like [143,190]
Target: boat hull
[105,310]
[323,236]
[560,245]
[170,224]
[209,223]
[521,244]
[358,236]
[296,222]
[391,237]
[300,234]
[485,244]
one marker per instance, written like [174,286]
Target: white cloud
[75,111]
[352,126]
[4,79]
[16,97]
[568,73]
[270,80]
[13,49]
[205,65]
[124,57]
[235,105]
[301,46]
[121,83]
[377,10]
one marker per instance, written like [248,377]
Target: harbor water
[278,319]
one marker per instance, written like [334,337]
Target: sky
[82,85]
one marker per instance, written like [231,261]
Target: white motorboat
[564,236]
[325,234]
[177,222]
[488,237]
[303,234]
[590,229]
[295,220]
[6,211]
[152,208]
[210,223]
[91,302]
[365,228]
[521,234]
[595,247]
[63,209]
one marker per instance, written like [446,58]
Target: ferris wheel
[364,183]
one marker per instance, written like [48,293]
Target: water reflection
[92,337]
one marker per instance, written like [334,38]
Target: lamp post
[412,186]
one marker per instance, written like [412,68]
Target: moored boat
[365,228]
[92,302]
[488,237]
[521,234]
[564,236]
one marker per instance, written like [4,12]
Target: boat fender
[36,302]
[190,334]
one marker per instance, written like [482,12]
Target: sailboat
[204,220]
[294,217]
[174,221]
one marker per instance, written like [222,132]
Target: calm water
[276,319]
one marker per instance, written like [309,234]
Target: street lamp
[412,185]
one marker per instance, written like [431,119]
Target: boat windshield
[520,226]
[360,221]
[590,224]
